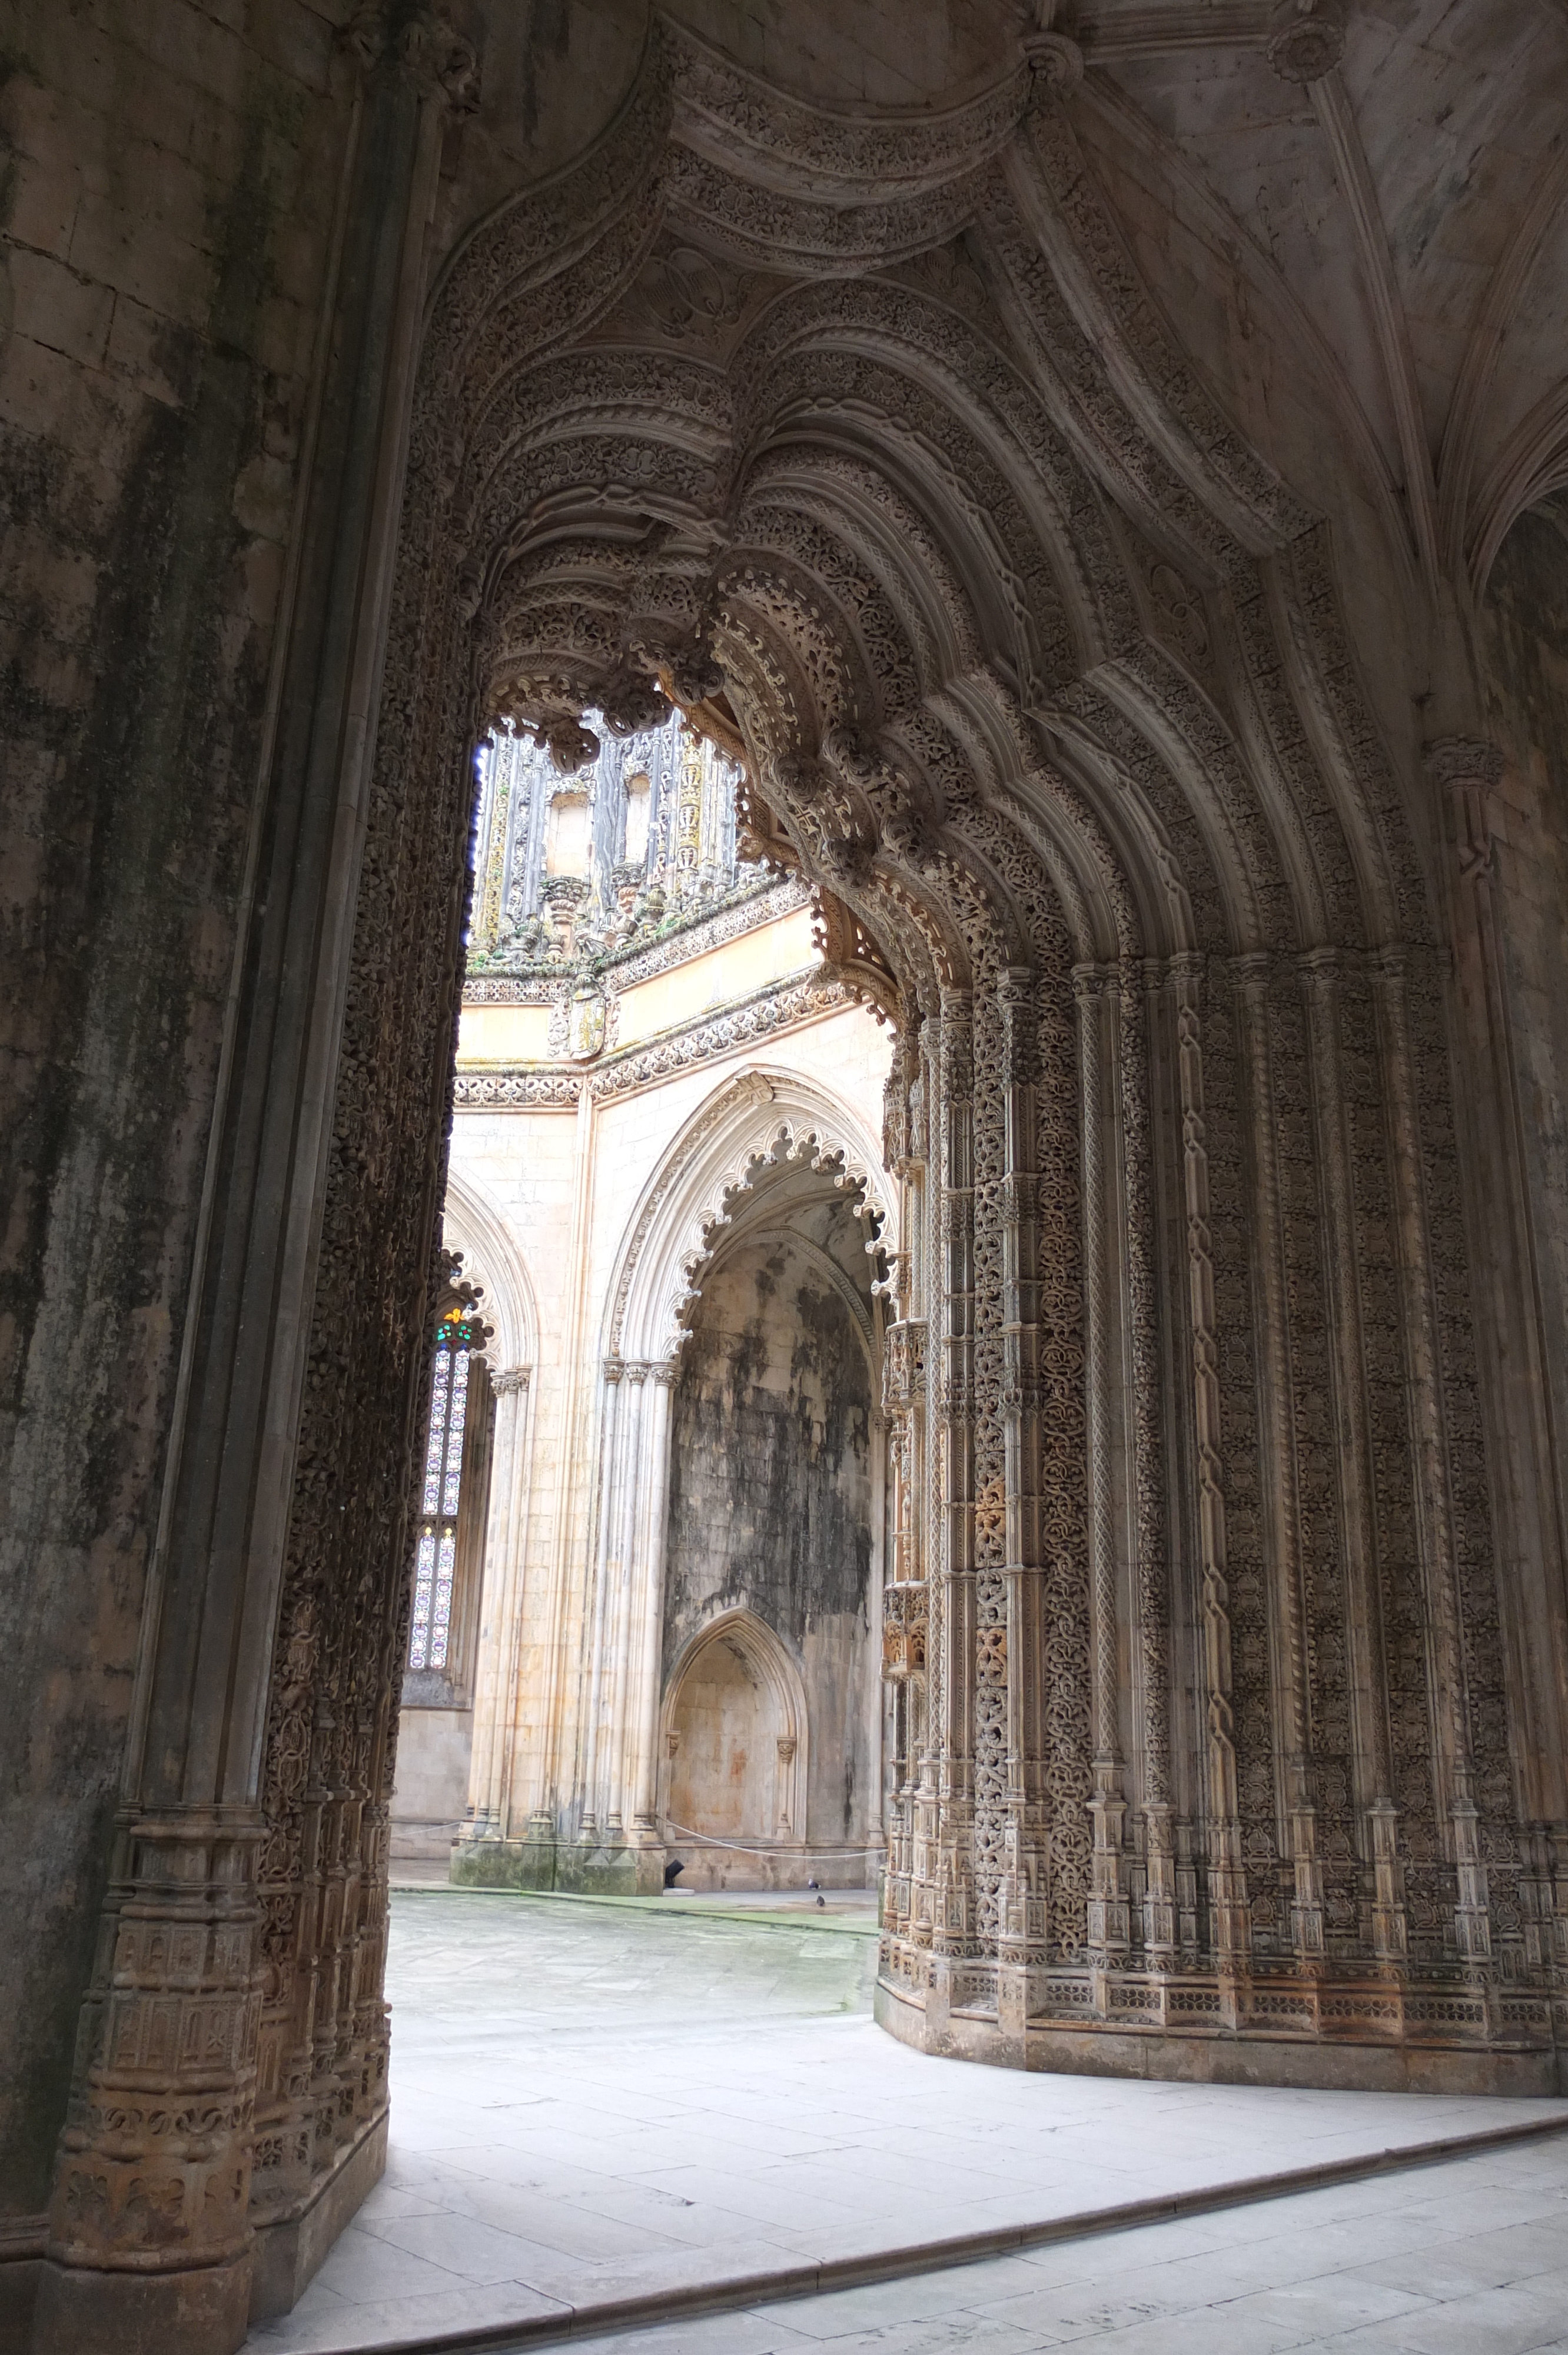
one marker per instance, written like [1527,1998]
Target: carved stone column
[1109,1923]
[1287,1638]
[1320,973]
[1151,1573]
[150,2237]
[622,1567]
[1447,1697]
[1229,1913]
[647,1584]
[1025,1833]
[1524,1445]
[952,1689]
[597,1603]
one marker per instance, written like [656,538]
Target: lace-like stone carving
[1163,1397]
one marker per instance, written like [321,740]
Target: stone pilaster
[495,1676]
[185,2053]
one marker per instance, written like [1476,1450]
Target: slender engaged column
[598,1603]
[1228,1904]
[1529,1493]
[1152,1570]
[650,1590]
[499,1607]
[1292,1695]
[1109,1923]
[1368,1712]
[954,1683]
[622,1781]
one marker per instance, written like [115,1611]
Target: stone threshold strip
[811,2280]
[671,1909]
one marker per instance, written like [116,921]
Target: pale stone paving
[1468,2258]
[595,2103]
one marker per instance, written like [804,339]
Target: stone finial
[1310,41]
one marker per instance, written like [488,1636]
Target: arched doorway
[735,1726]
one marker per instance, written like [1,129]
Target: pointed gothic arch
[760,1116]
[768,1802]
[492,1257]
[1201,1531]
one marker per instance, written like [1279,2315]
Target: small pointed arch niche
[733,1747]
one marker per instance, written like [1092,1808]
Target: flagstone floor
[598,2103]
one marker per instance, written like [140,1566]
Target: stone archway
[736,1764]
[1043,676]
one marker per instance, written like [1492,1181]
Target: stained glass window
[435,1556]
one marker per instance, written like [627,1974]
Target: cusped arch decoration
[475,1227]
[760,1117]
[778,1675]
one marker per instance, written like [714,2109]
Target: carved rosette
[1309,41]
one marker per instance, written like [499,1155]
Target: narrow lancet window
[435,1559]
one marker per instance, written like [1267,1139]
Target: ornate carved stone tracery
[1200,1726]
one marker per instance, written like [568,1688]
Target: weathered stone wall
[166,200]
[770,1500]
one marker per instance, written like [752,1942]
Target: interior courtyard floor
[602,2112]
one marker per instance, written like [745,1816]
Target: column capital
[1457,762]
[1091,982]
[1389,965]
[507,1380]
[1250,971]
[1324,964]
[1468,769]
[422,42]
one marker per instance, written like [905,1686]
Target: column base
[288,2253]
[597,1870]
[204,2310]
[1415,2063]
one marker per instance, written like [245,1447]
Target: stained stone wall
[774,1500]
[155,388]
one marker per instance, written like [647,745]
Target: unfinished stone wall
[771,1501]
